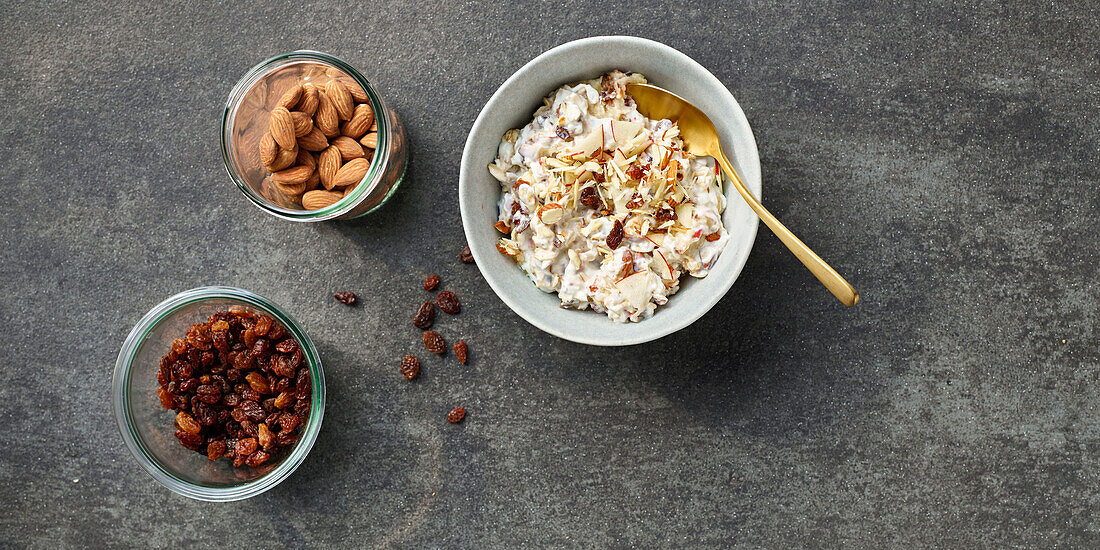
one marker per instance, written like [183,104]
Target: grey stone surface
[942,156]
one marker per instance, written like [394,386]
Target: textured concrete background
[943,157]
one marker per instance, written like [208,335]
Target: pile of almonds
[320,143]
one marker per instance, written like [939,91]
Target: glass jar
[149,430]
[247,119]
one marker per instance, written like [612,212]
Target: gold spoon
[701,139]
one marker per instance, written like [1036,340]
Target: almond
[327,166]
[351,173]
[349,189]
[293,175]
[293,190]
[374,127]
[268,149]
[349,149]
[360,122]
[316,199]
[502,227]
[326,117]
[341,99]
[370,140]
[282,128]
[551,213]
[308,103]
[305,158]
[283,159]
[313,141]
[356,92]
[303,123]
[290,97]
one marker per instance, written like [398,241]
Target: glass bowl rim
[121,396]
[374,173]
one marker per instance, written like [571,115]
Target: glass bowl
[148,429]
[247,118]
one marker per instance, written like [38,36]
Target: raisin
[284,400]
[261,347]
[433,342]
[410,367]
[258,382]
[425,316]
[456,415]
[346,298]
[190,440]
[188,386]
[431,282]
[282,367]
[301,407]
[209,393]
[286,439]
[714,236]
[635,172]
[257,458]
[199,337]
[460,351]
[288,422]
[248,428]
[263,324]
[589,197]
[243,359]
[302,385]
[615,237]
[282,385]
[286,346]
[245,447]
[250,394]
[665,215]
[562,132]
[448,302]
[165,398]
[466,256]
[231,400]
[215,450]
[187,423]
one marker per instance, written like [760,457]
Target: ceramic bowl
[511,107]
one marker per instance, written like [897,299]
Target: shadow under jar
[148,429]
[247,118]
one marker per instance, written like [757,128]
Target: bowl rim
[608,338]
[120,389]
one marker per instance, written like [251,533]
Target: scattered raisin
[615,237]
[425,316]
[431,282]
[466,256]
[433,342]
[410,367]
[346,298]
[562,132]
[460,351]
[714,236]
[665,215]
[448,302]
[456,415]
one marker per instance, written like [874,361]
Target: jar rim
[371,179]
[126,424]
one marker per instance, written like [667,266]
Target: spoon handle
[824,273]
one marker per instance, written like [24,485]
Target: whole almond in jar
[307,138]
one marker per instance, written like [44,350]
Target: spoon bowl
[701,139]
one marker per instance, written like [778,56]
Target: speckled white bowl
[511,107]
